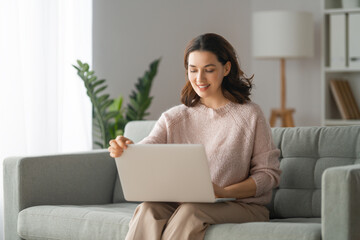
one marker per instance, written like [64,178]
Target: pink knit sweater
[237,140]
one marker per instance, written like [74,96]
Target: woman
[218,113]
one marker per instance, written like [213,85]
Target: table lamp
[282,35]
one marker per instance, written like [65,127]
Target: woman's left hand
[219,191]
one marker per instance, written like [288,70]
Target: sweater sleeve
[264,166]
[158,134]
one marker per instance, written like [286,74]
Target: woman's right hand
[118,145]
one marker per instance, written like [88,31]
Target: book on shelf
[344,99]
[354,108]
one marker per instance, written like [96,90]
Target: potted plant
[109,116]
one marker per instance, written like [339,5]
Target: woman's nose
[200,76]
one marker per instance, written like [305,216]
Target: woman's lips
[203,87]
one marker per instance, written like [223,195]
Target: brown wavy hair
[235,86]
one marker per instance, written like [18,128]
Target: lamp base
[285,116]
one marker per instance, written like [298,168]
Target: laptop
[166,173]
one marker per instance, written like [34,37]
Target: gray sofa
[79,196]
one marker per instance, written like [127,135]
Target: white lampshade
[283,34]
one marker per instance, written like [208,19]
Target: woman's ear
[227,67]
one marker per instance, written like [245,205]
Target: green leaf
[134,104]
[117,104]
[106,104]
[93,78]
[80,63]
[76,67]
[100,89]
[146,104]
[81,75]
[132,116]
[97,83]
[103,98]
[139,100]
[110,115]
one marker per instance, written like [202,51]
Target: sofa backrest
[305,153]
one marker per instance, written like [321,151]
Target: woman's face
[206,74]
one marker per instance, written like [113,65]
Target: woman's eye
[209,70]
[191,70]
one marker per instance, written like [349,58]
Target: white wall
[128,35]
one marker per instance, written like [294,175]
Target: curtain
[44,108]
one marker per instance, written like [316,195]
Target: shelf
[330,113]
[329,70]
[340,122]
[341,10]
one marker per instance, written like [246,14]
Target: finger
[120,140]
[112,141]
[114,145]
[129,142]
[115,150]
[126,142]
[116,154]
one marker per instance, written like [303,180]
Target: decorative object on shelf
[109,117]
[282,35]
[344,99]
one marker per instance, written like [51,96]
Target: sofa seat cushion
[111,222]
[265,230]
[76,222]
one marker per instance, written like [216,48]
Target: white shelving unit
[330,113]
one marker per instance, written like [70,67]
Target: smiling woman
[206,74]
[217,113]
[213,70]
[42,103]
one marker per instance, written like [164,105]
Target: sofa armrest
[341,203]
[62,179]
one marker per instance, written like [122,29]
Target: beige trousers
[188,221]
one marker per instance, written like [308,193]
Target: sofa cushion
[111,222]
[306,152]
[76,222]
[263,230]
